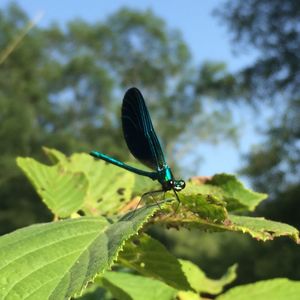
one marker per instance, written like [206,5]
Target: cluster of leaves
[99,245]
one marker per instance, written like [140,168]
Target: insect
[143,143]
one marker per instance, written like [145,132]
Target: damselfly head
[178,185]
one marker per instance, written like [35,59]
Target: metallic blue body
[143,143]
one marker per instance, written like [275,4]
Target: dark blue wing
[138,130]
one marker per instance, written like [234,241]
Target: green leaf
[258,228]
[57,260]
[54,155]
[274,289]
[133,287]
[61,190]
[235,192]
[150,258]
[228,188]
[94,291]
[203,204]
[110,187]
[187,295]
[202,284]
[79,182]
[263,229]
[99,294]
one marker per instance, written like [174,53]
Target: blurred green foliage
[62,87]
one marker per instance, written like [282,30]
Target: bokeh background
[221,79]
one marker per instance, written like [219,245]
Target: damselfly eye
[179,185]
[182,183]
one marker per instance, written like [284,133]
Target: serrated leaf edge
[116,255]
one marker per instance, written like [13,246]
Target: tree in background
[62,88]
[272,29]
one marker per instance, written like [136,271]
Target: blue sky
[207,38]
